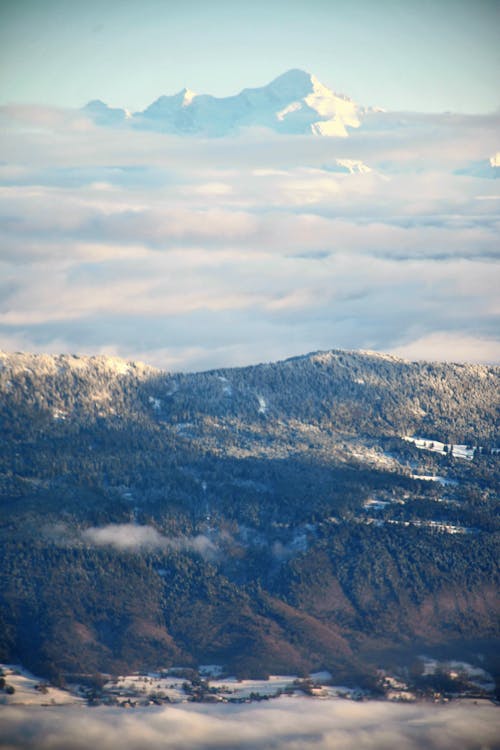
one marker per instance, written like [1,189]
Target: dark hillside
[270,518]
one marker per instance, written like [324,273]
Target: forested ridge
[271,518]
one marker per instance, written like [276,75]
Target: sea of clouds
[283,724]
[190,253]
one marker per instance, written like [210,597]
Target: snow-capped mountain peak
[306,95]
[295,102]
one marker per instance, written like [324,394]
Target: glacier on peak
[295,102]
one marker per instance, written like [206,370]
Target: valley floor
[452,680]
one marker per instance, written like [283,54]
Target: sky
[193,253]
[430,55]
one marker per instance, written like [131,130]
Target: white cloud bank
[191,254]
[283,724]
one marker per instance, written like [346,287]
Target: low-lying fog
[286,723]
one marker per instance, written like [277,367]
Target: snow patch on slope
[338,112]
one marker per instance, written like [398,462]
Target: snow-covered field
[228,688]
[457,451]
[434,478]
[233,688]
[147,686]
[31,690]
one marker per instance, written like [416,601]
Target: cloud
[191,254]
[286,723]
[450,346]
[129,536]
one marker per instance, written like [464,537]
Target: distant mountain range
[333,511]
[294,103]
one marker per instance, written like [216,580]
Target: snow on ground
[59,414]
[231,687]
[117,365]
[433,478]
[475,675]
[465,452]
[31,690]
[437,525]
[143,687]
[372,504]
[210,670]
[337,112]
[372,456]
[155,402]
[147,686]
[262,405]
[448,528]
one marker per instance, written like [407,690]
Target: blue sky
[418,55]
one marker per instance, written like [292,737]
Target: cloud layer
[284,724]
[191,254]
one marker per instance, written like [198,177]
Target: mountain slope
[270,518]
